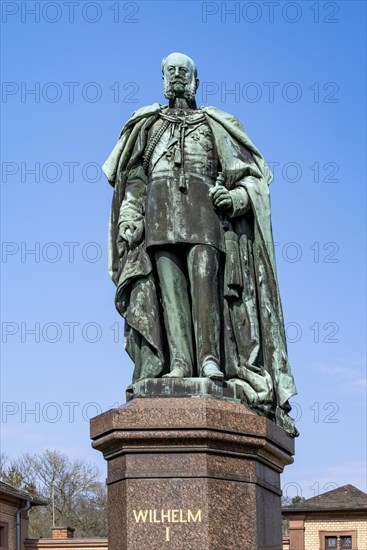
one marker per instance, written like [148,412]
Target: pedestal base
[192,473]
[186,387]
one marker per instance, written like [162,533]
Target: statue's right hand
[132,232]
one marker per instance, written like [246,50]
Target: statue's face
[179,77]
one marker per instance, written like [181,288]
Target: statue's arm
[241,202]
[132,210]
[230,191]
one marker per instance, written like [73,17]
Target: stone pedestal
[192,473]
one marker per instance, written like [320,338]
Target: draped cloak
[254,349]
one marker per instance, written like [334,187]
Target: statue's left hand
[221,197]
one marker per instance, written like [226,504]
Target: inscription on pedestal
[167,516]
[205,478]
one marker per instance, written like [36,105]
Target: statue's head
[179,77]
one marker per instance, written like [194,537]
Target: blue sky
[293,73]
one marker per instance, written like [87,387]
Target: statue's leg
[173,283]
[203,267]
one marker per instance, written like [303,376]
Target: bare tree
[73,489]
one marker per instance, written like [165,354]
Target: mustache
[179,80]
[169,92]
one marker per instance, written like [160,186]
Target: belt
[184,179]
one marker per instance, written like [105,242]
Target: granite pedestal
[200,472]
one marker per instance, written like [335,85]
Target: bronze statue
[191,248]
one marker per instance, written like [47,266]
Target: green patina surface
[191,249]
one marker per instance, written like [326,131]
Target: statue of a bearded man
[191,248]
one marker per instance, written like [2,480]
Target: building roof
[347,497]
[11,491]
